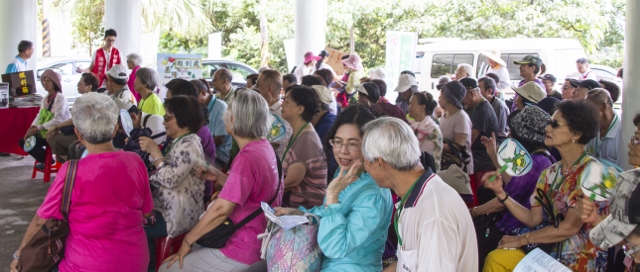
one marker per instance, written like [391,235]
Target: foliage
[88,26]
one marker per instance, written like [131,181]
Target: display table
[14,123]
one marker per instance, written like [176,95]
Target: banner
[172,66]
[20,83]
[401,52]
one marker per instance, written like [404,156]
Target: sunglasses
[554,123]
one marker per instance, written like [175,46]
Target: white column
[125,17]
[18,21]
[631,93]
[311,24]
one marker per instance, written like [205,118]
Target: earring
[573,140]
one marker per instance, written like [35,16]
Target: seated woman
[421,106]
[145,83]
[527,127]
[176,186]
[572,126]
[304,164]
[356,213]
[54,110]
[109,198]
[253,178]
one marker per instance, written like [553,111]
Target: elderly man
[221,83]
[464,70]
[116,84]
[216,109]
[407,86]
[605,144]
[104,58]
[435,231]
[269,86]
[582,64]
[19,63]
[488,89]
[549,81]
[584,86]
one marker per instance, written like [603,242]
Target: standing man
[307,67]
[549,81]
[221,83]
[488,88]
[435,233]
[19,63]
[498,67]
[583,68]
[104,58]
[529,69]
[605,144]
[269,86]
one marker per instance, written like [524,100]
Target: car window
[64,69]
[239,73]
[446,64]
[514,69]
[603,74]
[82,64]
[208,69]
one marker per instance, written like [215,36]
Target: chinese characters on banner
[20,83]
[184,66]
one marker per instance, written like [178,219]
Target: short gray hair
[95,116]
[135,58]
[148,77]
[250,114]
[393,141]
[467,68]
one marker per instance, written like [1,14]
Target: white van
[442,58]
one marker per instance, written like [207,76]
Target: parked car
[69,77]
[239,70]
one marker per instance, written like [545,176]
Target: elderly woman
[176,186]
[88,83]
[133,63]
[421,108]
[111,192]
[145,83]
[570,128]
[455,124]
[356,212]
[528,128]
[54,110]
[304,164]
[116,84]
[254,170]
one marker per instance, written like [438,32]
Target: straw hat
[495,56]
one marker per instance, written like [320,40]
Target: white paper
[539,261]
[285,221]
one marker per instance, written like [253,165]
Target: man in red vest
[104,58]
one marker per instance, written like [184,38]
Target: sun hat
[531,91]
[309,56]
[494,55]
[324,93]
[457,179]
[405,82]
[529,124]
[118,71]
[454,91]
[354,62]
[55,77]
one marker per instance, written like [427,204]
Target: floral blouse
[578,253]
[176,188]
[430,139]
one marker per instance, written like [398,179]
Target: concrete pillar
[18,21]
[311,24]
[631,64]
[125,17]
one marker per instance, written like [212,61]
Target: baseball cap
[118,71]
[529,59]
[405,82]
[469,83]
[624,214]
[549,77]
[361,89]
[309,56]
[587,83]
[531,91]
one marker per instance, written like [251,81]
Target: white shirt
[303,70]
[503,73]
[436,229]
[60,110]
[155,124]
[589,74]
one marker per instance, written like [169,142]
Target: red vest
[100,65]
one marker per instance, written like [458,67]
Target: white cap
[531,91]
[405,82]
[118,71]
[361,89]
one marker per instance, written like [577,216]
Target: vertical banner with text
[401,52]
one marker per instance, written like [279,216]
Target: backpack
[133,144]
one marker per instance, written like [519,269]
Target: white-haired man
[434,232]
[464,70]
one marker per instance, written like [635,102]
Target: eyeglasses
[338,144]
[554,123]
[634,141]
[628,250]
[168,118]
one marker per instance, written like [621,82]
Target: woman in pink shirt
[108,200]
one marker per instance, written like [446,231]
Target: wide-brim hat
[55,77]
[457,179]
[454,91]
[309,56]
[494,55]
[324,94]
[354,62]
[531,91]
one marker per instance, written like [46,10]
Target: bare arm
[295,174]
[474,135]
[460,139]
[490,207]
[33,228]
[530,218]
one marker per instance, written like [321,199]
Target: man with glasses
[104,58]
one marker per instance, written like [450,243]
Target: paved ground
[20,197]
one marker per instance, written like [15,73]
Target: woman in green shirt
[145,84]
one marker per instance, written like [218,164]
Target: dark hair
[582,61]
[408,72]
[382,86]
[373,92]
[612,88]
[489,83]
[619,74]
[310,80]
[536,70]
[636,119]
[528,145]
[179,86]
[200,85]
[187,111]
[252,79]
[426,99]
[322,54]
[119,81]
[135,110]
[290,87]
[291,78]
[224,73]
[90,79]
[24,45]
[344,57]
[110,32]
[581,117]
[357,115]
[306,97]
[494,76]
[326,75]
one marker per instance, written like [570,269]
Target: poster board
[184,66]
[20,83]
[335,60]
[400,55]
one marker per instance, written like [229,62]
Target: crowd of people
[413,186]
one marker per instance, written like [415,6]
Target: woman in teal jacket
[356,212]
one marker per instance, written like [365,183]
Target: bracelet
[526,238]
[504,199]
[187,242]
[155,160]
[15,255]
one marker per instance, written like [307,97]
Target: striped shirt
[307,149]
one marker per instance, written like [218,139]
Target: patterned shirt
[430,138]
[307,149]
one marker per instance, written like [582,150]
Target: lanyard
[211,104]
[292,140]
[400,208]
[173,142]
[600,141]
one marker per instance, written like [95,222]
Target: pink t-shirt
[110,196]
[253,178]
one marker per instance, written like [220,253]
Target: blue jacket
[353,232]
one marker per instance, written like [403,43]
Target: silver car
[68,76]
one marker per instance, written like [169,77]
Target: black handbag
[457,155]
[218,237]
